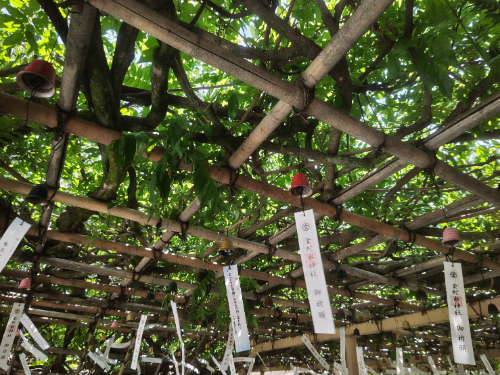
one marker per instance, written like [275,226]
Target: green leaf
[232,106]
[163,178]
[31,40]
[445,83]
[129,149]
[204,186]
[13,39]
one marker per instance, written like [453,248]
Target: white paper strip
[238,319]
[99,361]
[342,349]
[249,360]
[205,362]
[110,361]
[37,353]
[33,331]
[258,355]
[10,334]
[219,366]
[24,363]
[138,339]
[416,370]
[361,360]
[176,365]
[370,370]
[315,353]
[10,239]
[399,361]
[179,333]
[461,369]
[192,368]
[109,343]
[121,345]
[312,264]
[337,369]
[231,366]
[487,365]
[458,314]
[139,372]
[151,359]
[229,349]
[433,365]
[452,368]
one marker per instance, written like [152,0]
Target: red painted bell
[39,77]
[18,333]
[300,186]
[451,238]
[25,284]
[114,325]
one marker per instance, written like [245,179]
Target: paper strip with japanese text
[10,334]
[229,349]
[179,333]
[458,314]
[138,339]
[342,349]
[337,369]
[24,363]
[33,331]
[30,348]
[101,362]
[176,365]
[399,361]
[361,360]
[433,365]
[238,319]
[315,353]
[10,239]
[231,366]
[314,275]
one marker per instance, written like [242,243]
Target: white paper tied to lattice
[461,339]
[236,309]
[11,239]
[10,334]
[138,340]
[315,353]
[314,274]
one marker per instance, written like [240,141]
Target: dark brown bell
[342,276]
[268,302]
[172,288]
[38,195]
[492,309]
[356,333]
[406,325]
[421,295]
[340,314]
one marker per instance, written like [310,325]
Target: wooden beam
[389,324]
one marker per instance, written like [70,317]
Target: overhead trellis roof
[177,124]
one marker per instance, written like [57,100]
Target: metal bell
[492,309]
[204,324]
[399,337]
[342,276]
[340,314]
[356,333]
[406,325]
[150,296]
[25,284]
[38,78]
[294,322]
[226,248]
[172,288]
[130,316]
[103,338]
[207,346]
[421,295]
[451,237]
[38,195]
[150,350]
[268,302]
[300,186]
[253,342]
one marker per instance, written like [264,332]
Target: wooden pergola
[155,265]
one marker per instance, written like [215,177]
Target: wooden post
[350,355]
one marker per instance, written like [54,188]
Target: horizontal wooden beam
[384,325]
